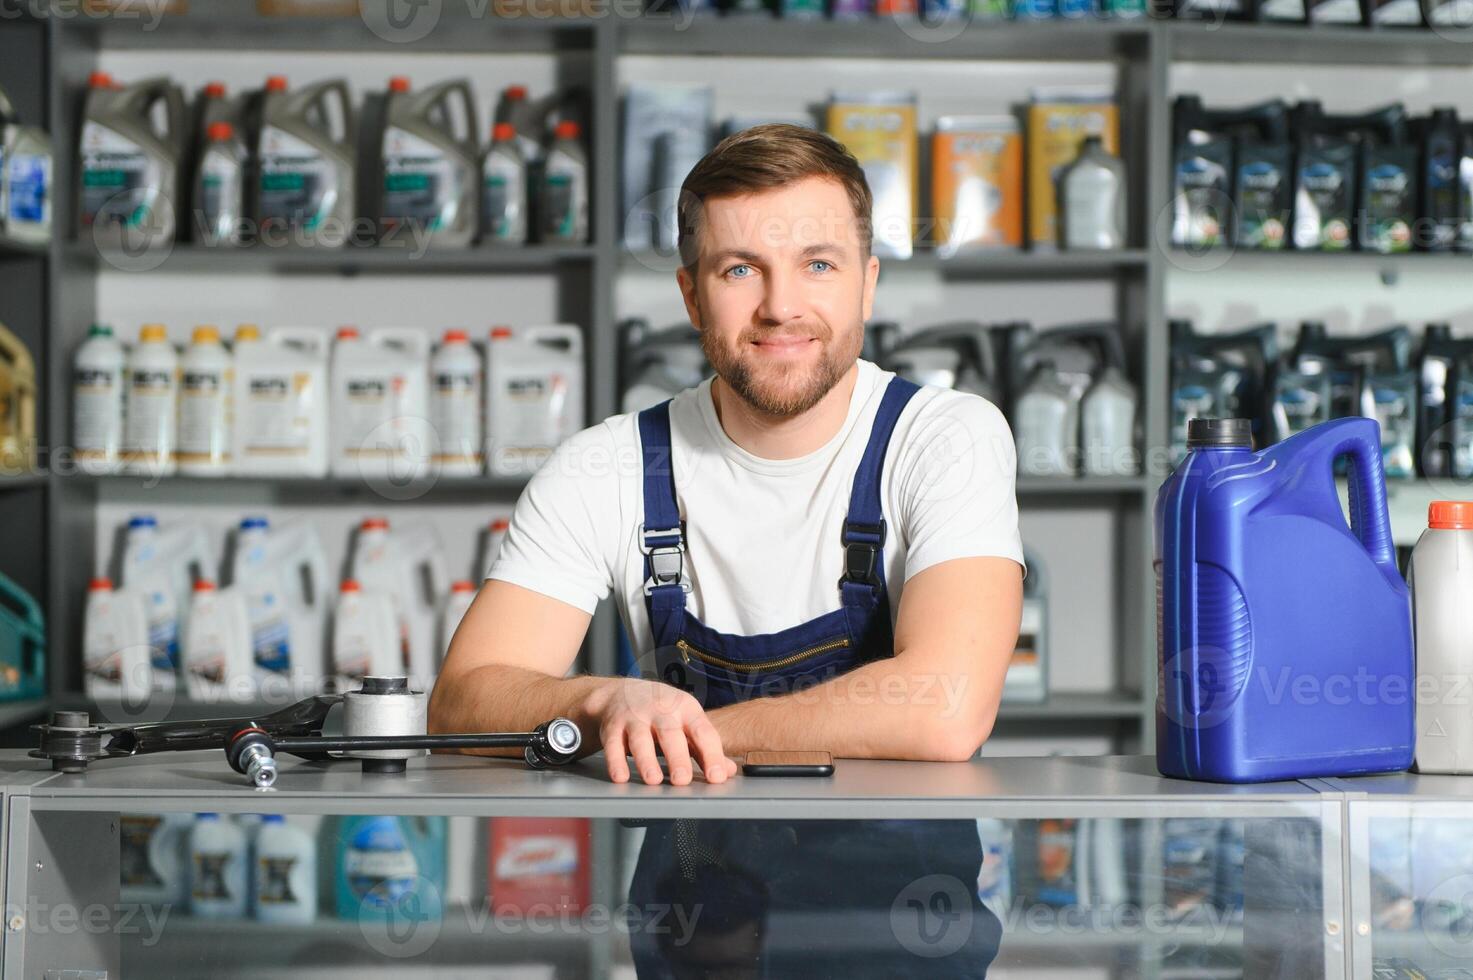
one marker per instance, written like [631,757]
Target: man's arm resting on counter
[936,699]
[505,670]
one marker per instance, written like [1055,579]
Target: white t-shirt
[763,547]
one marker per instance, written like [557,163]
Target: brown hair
[766,157]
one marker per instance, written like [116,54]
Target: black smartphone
[788,764]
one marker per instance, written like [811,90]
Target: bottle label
[30,188]
[298,185]
[210,872]
[423,185]
[120,183]
[274,881]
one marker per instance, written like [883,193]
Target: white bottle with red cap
[495,534]
[408,566]
[1441,576]
[534,395]
[380,405]
[366,640]
[462,594]
[116,657]
[457,386]
[218,660]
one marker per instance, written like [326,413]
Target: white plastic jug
[462,594]
[150,426]
[284,873]
[407,565]
[162,564]
[283,575]
[1441,577]
[98,383]
[116,659]
[380,403]
[217,868]
[280,401]
[457,388]
[218,665]
[534,395]
[152,850]
[366,640]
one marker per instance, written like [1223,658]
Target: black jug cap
[1219,434]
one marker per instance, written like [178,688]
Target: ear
[688,294]
[871,279]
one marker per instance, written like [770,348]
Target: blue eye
[816,263]
[733,269]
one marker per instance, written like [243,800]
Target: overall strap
[661,536]
[864,525]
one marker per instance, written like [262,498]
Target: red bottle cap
[347,333]
[349,585]
[219,132]
[99,79]
[503,131]
[203,585]
[374,524]
[456,336]
[566,130]
[215,90]
[514,92]
[100,585]
[462,586]
[500,333]
[500,524]
[399,83]
[276,83]
[1450,515]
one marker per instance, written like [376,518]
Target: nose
[782,298]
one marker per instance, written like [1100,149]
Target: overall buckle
[862,558]
[667,562]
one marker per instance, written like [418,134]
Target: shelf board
[1071,486]
[235,25]
[21,481]
[1299,44]
[195,259]
[446,487]
[1080,707]
[1291,262]
[10,246]
[762,37]
[14,714]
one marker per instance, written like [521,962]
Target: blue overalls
[748,879]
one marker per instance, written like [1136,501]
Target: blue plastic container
[1284,638]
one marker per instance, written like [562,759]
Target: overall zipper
[687,651]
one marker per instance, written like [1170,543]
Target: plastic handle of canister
[1360,439]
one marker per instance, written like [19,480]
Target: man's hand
[634,715]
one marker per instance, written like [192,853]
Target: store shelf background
[1094,537]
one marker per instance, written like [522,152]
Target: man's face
[781,291]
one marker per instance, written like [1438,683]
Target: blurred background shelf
[352,260]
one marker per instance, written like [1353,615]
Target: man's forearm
[499,698]
[882,710]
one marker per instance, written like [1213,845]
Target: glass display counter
[1050,867]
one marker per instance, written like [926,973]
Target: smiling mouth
[781,344]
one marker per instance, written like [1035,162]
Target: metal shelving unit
[48,298]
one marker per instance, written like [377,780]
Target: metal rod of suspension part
[368,743]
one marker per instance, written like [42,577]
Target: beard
[782,390]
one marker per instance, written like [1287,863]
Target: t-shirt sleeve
[958,484]
[555,542]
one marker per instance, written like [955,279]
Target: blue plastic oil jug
[1284,636]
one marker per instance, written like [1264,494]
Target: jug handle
[461,92]
[338,89]
[1361,439]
